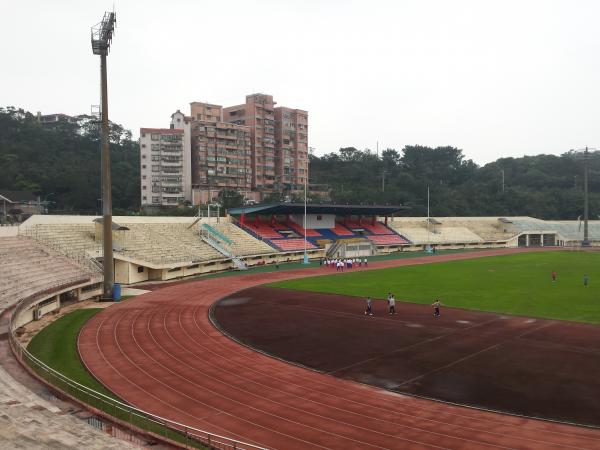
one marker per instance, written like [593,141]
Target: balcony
[171,162]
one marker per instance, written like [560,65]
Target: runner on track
[436,308]
[369,310]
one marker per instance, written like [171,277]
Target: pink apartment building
[254,148]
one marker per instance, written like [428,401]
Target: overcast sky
[503,78]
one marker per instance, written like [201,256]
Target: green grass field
[514,284]
[56,345]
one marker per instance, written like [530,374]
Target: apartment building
[254,148]
[165,164]
[221,154]
[258,113]
[291,147]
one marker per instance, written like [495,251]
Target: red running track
[161,353]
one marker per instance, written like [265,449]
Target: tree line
[61,164]
[543,186]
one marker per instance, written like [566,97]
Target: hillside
[62,164]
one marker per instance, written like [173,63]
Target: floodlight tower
[101,38]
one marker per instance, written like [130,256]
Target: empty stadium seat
[292,244]
[387,239]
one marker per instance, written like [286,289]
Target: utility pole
[101,40]
[586,241]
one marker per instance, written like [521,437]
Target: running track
[161,353]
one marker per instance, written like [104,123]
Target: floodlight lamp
[102,33]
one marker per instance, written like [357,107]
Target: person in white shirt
[392,304]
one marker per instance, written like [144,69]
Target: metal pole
[586,241]
[428,246]
[108,262]
[305,190]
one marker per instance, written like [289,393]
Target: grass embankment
[56,345]
[514,284]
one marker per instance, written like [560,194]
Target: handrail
[160,426]
[217,233]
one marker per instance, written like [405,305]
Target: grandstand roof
[298,208]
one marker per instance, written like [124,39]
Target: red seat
[288,245]
[264,231]
[300,230]
[378,228]
[340,230]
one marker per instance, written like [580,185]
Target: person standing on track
[436,308]
[392,304]
[586,280]
[369,310]
[553,276]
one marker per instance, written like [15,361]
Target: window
[143,188]
[144,198]
[143,166]
[154,168]
[143,145]
[140,269]
[155,199]
[155,137]
[143,177]
[143,156]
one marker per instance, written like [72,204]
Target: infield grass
[518,284]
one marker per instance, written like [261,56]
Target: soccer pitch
[518,284]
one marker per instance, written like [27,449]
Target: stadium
[238,332]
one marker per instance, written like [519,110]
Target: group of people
[341,264]
[391,301]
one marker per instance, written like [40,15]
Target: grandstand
[159,248]
[29,267]
[419,233]
[162,248]
[31,270]
[244,244]
[328,226]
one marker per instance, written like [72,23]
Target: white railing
[135,418]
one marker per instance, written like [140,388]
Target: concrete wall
[9,231]
[312,222]
[127,272]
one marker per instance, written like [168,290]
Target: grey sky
[502,78]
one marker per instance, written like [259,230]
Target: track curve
[160,353]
